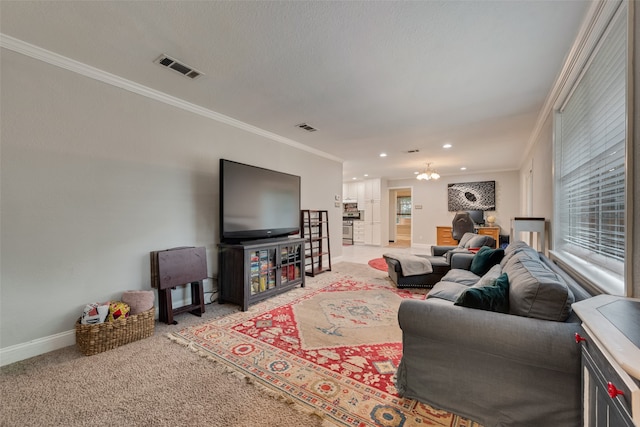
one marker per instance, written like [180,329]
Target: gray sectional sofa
[518,367]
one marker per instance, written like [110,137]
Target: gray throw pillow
[490,276]
[464,240]
[464,277]
[480,240]
[449,291]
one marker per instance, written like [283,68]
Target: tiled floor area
[362,254]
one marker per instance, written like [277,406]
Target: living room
[97,171]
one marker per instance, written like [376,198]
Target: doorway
[400,217]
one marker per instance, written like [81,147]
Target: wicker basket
[94,339]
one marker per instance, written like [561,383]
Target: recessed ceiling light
[447,146]
[463,168]
[366,174]
[383,154]
[354,178]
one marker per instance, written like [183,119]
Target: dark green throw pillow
[494,297]
[485,259]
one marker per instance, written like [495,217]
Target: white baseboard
[18,352]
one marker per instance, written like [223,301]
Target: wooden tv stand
[253,271]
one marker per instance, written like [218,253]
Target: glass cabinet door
[263,266]
[290,257]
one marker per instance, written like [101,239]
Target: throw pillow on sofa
[480,240]
[449,291]
[494,297]
[464,240]
[485,259]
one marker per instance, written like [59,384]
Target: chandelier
[428,173]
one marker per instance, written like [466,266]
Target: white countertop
[621,348]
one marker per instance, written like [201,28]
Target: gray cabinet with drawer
[610,360]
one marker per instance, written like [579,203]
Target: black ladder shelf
[315,231]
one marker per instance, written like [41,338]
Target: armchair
[442,259]
[467,241]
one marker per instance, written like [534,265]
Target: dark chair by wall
[462,223]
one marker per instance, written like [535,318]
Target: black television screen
[257,203]
[477,216]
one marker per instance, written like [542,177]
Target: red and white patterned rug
[333,351]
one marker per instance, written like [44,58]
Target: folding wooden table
[178,267]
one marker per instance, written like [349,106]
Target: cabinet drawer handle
[579,338]
[613,391]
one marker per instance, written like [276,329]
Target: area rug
[331,351]
[378,264]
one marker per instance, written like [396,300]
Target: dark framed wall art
[472,196]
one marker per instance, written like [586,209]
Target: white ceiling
[383,76]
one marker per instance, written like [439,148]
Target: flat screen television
[477,216]
[257,203]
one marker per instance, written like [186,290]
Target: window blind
[590,156]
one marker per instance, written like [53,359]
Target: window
[404,205]
[590,131]
[403,208]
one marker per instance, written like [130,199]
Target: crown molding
[36,52]
[593,25]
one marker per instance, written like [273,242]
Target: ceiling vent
[413,151]
[185,70]
[306,127]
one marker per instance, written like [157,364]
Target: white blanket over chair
[411,265]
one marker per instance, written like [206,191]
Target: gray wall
[538,168]
[432,196]
[541,157]
[94,177]
[635,156]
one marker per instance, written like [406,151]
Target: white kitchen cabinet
[350,191]
[372,208]
[372,222]
[360,195]
[358,232]
[367,194]
[372,189]
[372,234]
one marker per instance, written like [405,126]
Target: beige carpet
[147,382]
